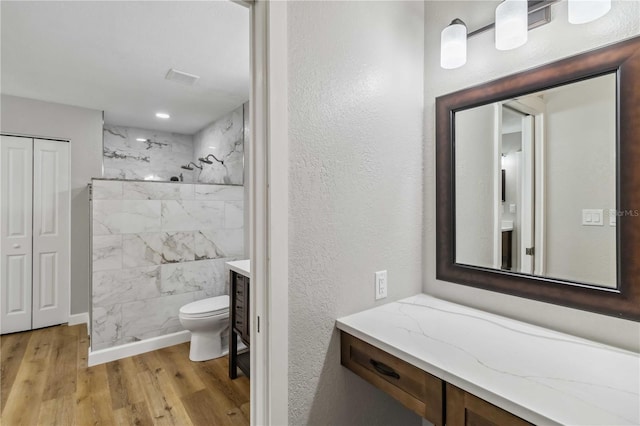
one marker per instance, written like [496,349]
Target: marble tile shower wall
[225,139]
[158,157]
[156,247]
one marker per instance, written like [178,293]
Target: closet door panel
[50,233]
[16,233]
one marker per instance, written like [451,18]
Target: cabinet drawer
[239,285]
[238,324]
[466,409]
[415,389]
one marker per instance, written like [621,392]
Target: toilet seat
[212,306]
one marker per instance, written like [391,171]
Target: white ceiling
[114,55]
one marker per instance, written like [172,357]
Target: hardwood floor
[45,381]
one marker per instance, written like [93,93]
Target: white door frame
[527,197]
[268,207]
[497,186]
[536,107]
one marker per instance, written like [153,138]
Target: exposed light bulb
[583,11]
[453,45]
[512,22]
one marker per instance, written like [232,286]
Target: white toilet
[206,320]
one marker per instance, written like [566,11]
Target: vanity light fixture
[511,24]
[513,19]
[162,115]
[453,42]
[583,11]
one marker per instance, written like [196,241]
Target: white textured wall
[581,125]
[83,128]
[546,44]
[355,135]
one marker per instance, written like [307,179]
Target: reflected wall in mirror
[538,184]
[557,151]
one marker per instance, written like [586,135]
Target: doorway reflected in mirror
[550,213]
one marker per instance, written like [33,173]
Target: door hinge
[529,251]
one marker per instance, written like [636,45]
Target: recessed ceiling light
[162,115]
[141,139]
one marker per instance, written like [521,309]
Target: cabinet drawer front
[464,409]
[239,322]
[239,285]
[239,308]
[415,389]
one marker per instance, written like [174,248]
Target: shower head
[207,161]
[188,166]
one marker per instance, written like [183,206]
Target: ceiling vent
[182,77]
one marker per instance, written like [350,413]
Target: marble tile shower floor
[45,381]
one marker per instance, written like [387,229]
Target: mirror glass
[535,183]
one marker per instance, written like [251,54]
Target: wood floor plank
[93,401]
[134,414]
[246,410]
[206,407]
[83,346]
[25,396]
[221,393]
[13,347]
[59,411]
[215,374]
[61,379]
[123,383]
[164,403]
[181,371]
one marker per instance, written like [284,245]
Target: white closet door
[50,232]
[16,157]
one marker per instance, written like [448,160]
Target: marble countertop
[543,376]
[241,266]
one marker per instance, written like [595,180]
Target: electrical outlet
[381,284]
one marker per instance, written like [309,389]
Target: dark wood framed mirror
[604,278]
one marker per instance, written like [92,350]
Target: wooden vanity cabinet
[430,397]
[507,250]
[465,409]
[417,390]
[239,325]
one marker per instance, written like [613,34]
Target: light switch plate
[613,215]
[381,285]
[592,217]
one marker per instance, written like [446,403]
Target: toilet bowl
[206,320]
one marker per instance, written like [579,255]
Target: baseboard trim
[81,318]
[136,348]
